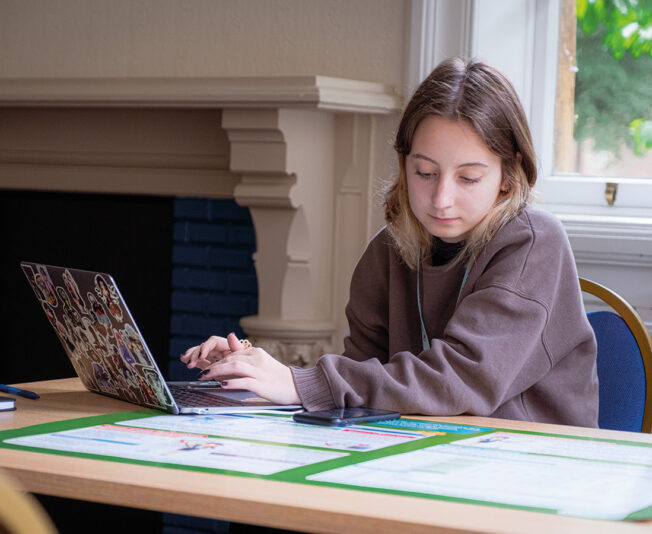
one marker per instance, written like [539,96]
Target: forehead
[438,137]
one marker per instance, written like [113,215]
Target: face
[453,178]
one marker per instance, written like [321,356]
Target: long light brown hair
[483,98]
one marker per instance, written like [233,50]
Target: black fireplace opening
[129,237]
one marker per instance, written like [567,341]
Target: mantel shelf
[311,92]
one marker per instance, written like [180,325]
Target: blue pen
[16,391]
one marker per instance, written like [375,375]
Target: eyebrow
[468,164]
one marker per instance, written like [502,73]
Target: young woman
[468,301]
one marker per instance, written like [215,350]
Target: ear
[504,186]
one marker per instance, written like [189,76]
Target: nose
[443,194]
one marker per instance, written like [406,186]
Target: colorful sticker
[153,379]
[73,291]
[109,296]
[44,286]
[67,306]
[134,343]
[98,313]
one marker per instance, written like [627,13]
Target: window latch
[610,192]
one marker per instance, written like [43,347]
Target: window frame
[568,193]
[521,38]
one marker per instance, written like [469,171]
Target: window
[588,170]
[603,119]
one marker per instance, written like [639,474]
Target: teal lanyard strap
[424,336]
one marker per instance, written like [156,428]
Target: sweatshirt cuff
[313,389]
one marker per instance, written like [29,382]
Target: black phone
[344,416]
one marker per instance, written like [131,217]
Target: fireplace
[301,154]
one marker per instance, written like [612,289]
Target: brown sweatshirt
[517,343]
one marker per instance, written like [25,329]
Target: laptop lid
[99,335]
[108,352]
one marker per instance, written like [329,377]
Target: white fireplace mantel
[304,92]
[301,152]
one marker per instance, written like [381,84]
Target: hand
[210,351]
[254,369]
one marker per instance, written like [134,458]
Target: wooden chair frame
[20,512]
[637,326]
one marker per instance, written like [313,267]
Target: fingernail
[224,383]
[202,373]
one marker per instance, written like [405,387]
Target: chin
[447,234]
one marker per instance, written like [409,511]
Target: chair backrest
[20,512]
[624,362]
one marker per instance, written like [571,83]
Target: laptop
[108,352]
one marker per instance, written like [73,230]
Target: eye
[426,175]
[468,180]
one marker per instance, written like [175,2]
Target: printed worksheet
[178,448]
[560,446]
[280,430]
[484,472]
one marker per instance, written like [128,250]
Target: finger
[231,366]
[209,350]
[185,356]
[192,357]
[240,383]
[234,343]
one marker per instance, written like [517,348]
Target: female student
[468,301]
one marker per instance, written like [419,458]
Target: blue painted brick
[253,306]
[239,259]
[190,255]
[227,210]
[196,325]
[205,233]
[242,235]
[242,283]
[189,278]
[227,305]
[193,325]
[177,371]
[192,208]
[179,344]
[232,324]
[189,301]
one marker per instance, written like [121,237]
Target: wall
[360,39]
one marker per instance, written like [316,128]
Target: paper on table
[280,430]
[177,448]
[596,482]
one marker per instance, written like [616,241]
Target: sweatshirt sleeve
[474,368]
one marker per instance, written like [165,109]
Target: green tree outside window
[613,85]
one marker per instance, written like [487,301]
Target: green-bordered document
[582,477]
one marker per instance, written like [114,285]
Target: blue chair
[624,362]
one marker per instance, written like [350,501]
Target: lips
[445,220]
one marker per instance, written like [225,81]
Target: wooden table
[254,501]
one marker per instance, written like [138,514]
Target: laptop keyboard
[193,397]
